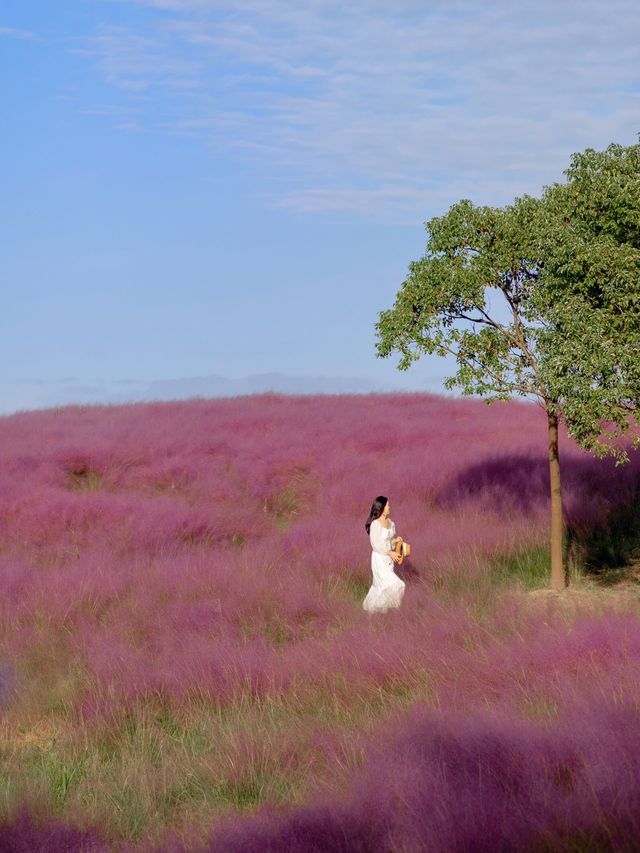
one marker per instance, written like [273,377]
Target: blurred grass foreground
[186,665]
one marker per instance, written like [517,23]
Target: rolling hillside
[186,663]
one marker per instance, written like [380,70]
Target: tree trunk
[557,520]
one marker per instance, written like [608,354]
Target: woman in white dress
[387,589]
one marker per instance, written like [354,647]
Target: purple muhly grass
[163,477]
[23,835]
[321,829]
[596,657]
[484,782]
[491,783]
[198,625]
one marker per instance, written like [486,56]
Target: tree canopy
[589,294]
[539,298]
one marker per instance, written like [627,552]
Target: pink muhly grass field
[183,643]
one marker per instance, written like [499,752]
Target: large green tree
[541,299]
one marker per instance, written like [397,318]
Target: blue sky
[203,188]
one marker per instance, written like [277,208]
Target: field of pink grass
[186,664]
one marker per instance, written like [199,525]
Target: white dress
[387,589]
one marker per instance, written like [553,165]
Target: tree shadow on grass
[612,545]
[509,483]
[620,576]
[601,502]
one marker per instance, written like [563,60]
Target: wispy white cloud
[12,32]
[389,109]
[135,62]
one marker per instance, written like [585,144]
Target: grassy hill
[186,662]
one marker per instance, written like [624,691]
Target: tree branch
[505,384]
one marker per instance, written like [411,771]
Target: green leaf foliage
[540,298]
[589,240]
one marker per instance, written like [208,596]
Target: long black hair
[376,510]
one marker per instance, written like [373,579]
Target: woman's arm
[395,539]
[377,542]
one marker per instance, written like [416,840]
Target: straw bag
[404,549]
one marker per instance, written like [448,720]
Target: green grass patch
[351,587]
[83,479]
[539,708]
[530,568]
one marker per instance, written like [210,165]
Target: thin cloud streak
[363,103]
[11,32]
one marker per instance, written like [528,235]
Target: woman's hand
[395,556]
